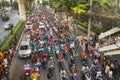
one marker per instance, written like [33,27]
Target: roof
[112,31]
[25,43]
[112,52]
[109,47]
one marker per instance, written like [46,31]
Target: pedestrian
[15,41]
[110,74]
[11,53]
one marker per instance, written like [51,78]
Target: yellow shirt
[35,76]
[107,68]
[1,55]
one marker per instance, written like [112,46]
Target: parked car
[8,26]
[24,49]
[5,18]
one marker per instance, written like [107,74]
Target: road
[14,18]
[17,72]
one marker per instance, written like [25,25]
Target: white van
[24,49]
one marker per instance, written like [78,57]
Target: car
[8,26]
[5,18]
[28,25]
[24,49]
[41,25]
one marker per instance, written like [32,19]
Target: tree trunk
[89,27]
[115,6]
[89,21]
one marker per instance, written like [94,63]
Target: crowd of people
[6,58]
[51,40]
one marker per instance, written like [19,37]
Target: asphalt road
[17,72]
[16,69]
[14,18]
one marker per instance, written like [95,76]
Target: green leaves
[81,7]
[102,4]
[78,10]
[4,3]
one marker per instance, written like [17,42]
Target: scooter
[44,62]
[6,73]
[74,76]
[65,53]
[27,75]
[88,76]
[60,62]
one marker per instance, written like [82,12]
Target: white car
[24,49]
[41,25]
[8,26]
[28,25]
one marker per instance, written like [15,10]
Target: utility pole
[89,20]
[11,4]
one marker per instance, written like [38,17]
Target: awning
[109,47]
[112,52]
[112,31]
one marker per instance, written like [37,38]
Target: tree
[15,5]
[28,4]
[5,4]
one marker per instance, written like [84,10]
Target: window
[24,47]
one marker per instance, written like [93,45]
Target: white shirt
[85,69]
[5,61]
[98,74]
[63,74]
[110,74]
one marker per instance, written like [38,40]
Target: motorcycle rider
[6,71]
[72,60]
[26,65]
[98,75]
[49,76]
[85,68]
[63,74]
[35,75]
[83,55]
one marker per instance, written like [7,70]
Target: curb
[21,37]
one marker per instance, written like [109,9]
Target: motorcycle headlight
[26,74]
[61,60]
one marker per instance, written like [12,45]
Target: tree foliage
[28,4]
[4,4]
[15,5]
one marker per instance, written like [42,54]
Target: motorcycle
[99,75]
[88,76]
[51,65]
[27,72]
[65,53]
[38,64]
[27,75]
[74,76]
[84,59]
[63,78]
[44,63]
[6,70]
[60,61]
